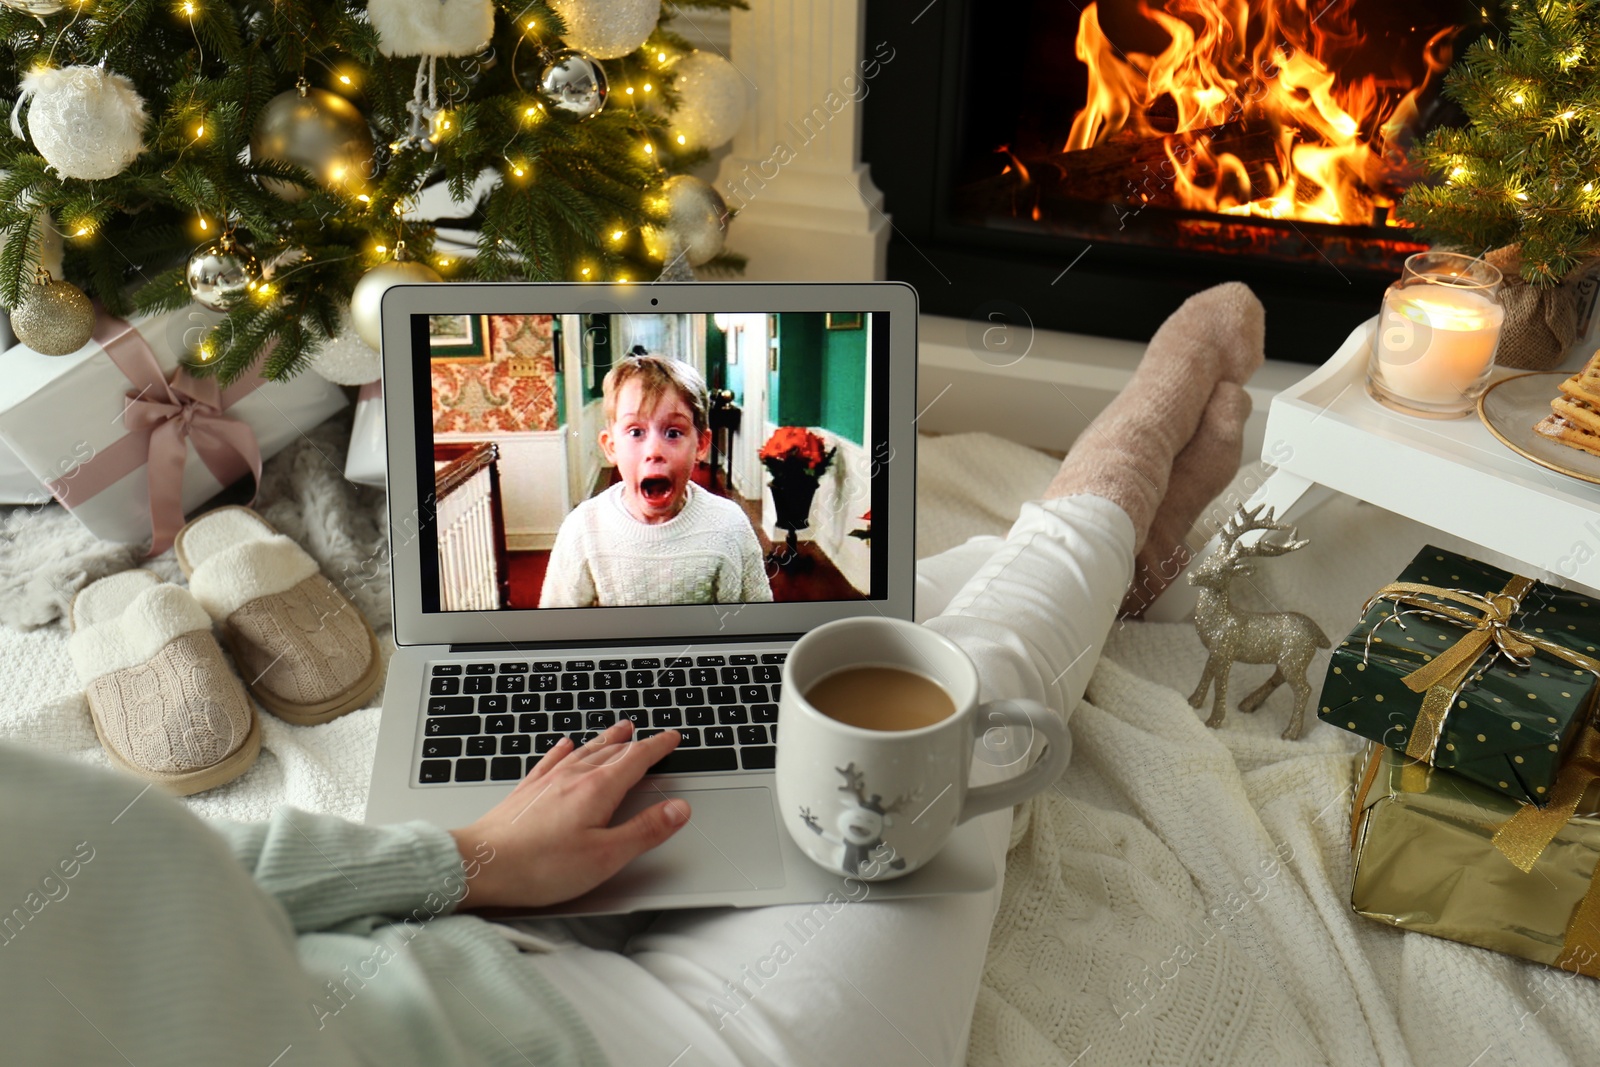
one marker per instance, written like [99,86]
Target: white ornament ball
[711,100]
[696,222]
[366,300]
[431,27]
[86,122]
[607,29]
[347,359]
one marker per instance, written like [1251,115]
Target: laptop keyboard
[492,721]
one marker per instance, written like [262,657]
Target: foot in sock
[1126,454]
[1202,470]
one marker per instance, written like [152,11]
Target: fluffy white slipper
[304,650]
[164,703]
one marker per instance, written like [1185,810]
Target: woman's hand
[551,839]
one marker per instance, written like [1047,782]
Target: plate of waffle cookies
[1550,417]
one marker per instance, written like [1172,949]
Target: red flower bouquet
[796,450]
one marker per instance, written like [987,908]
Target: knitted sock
[1202,470]
[1126,453]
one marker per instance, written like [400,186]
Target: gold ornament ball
[366,300]
[695,221]
[320,131]
[53,318]
[35,7]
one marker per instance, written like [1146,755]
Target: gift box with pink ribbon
[129,440]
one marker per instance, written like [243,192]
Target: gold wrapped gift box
[1425,858]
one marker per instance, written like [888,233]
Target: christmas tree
[1527,169]
[265,157]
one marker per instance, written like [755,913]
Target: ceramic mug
[877,804]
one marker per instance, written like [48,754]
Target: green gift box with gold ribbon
[1472,669]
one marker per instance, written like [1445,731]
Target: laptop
[494,403]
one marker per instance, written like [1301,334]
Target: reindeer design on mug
[861,827]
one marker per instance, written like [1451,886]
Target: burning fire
[1253,117]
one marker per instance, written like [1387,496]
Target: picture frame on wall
[844,320]
[457,338]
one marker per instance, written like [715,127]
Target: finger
[548,762]
[648,829]
[608,745]
[637,757]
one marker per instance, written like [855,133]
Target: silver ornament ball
[695,222]
[38,8]
[221,275]
[320,131]
[366,300]
[574,83]
[53,317]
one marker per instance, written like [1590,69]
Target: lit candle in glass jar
[1437,335]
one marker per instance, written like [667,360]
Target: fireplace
[1087,168]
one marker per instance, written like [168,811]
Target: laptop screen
[604,460]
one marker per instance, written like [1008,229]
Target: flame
[1263,70]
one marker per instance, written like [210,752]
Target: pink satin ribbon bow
[164,417]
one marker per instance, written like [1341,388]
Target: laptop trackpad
[730,842]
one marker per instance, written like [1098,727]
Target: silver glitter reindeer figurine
[1285,638]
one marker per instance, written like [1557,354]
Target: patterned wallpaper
[483,397]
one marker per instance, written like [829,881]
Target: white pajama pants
[870,982]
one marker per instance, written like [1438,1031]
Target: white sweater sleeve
[754,586]
[567,581]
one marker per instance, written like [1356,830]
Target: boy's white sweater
[705,554]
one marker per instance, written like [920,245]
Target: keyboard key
[450,725]
[530,763]
[525,702]
[666,717]
[480,746]
[774,657]
[559,702]
[574,682]
[547,666]
[511,683]
[480,668]
[752,735]
[608,680]
[722,694]
[471,770]
[703,676]
[513,668]
[440,747]
[763,713]
[499,724]
[735,675]
[441,687]
[536,723]
[493,704]
[640,679]
[585,737]
[688,695]
[671,678]
[777,691]
[545,742]
[644,735]
[434,770]
[730,714]
[696,761]
[613,665]
[646,663]
[709,661]
[591,700]
[743,659]
[657,698]
[478,683]
[624,698]
[690,735]
[599,720]
[679,661]
[567,721]
[758,759]
[767,675]
[516,745]
[580,664]
[441,669]
[773,730]
[450,706]
[637,716]
[701,716]
[544,683]
[505,768]
[719,735]
[752,694]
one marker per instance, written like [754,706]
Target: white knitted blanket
[1181,897]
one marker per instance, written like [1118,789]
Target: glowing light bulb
[518,171]
[337,172]
[661,57]
[364,198]
[344,79]
[1520,196]
[629,90]
[1518,98]
[533,24]
[83,231]
[1588,187]
[380,249]
[531,112]
[203,225]
[199,131]
[264,290]
[1568,114]
[648,87]
[682,139]
[444,261]
[586,272]
[188,8]
[617,235]
[649,149]
[1458,172]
